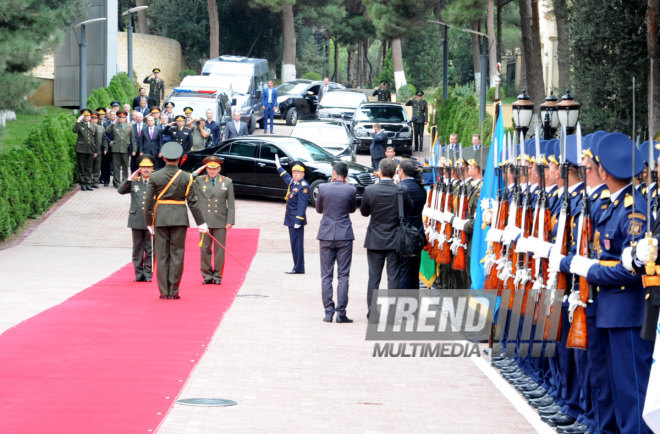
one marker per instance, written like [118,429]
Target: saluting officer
[123,145]
[383,92]
[137,187]
[101,144]
[165,214]
[180,133]
[419,119]
[216,195]
[156,87]
[86,147]
[297,199]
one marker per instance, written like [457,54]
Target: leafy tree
[29,29]
[285,8]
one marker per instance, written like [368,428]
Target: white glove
[554,260]
[203,228]
[510,235]
[448,216]
[523,245]
[581,265]
[487,216]
[626,258]
[459,224]
[277,161]
[644,251]
[494,235]
[541,248]
[296,226]
[426,212]
[150,229]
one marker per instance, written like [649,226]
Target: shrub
[461,116]
[406,92]
[186,72]
[312,76]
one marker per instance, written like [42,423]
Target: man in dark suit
[138,129]
[336,200]
[378,144]
[151,139]
[268,104]
[380,202]
[410,266]
[325,87]
[236,128]
[141,96]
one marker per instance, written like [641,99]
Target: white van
[247,77]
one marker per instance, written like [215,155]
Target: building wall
[150,52]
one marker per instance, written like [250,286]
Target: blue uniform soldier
[297,199]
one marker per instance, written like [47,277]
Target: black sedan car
[250,163]
[298,99]
[392,118]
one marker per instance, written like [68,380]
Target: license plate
[389,141]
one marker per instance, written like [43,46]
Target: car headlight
[361,133]
[352,181]
[405,135]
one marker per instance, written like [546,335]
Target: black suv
[298,99]
[392,118]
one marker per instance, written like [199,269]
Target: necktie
[213,181]
[139,129]
[151,132]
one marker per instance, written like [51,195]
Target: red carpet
[113,358]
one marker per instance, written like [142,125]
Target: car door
[269,181]
[312,101]
[240,163]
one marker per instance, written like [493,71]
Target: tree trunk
[529,25]
[335,74]
[476,56]
[288,44]
[492,43]
[397,64]
[358,65]
[653,48]
[142,26]
[383,55]
[370,74]
[214,29]
[563,67]
[498,43]
[350,62]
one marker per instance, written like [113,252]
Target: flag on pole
[486,200]
[651,412]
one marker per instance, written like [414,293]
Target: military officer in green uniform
[142,245]
[102,144]
[165,214]
[216,195]
[420,117]
[123,145]
[156,87]
[383,92]
[86,148]
[180,133]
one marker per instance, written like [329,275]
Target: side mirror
[285,161]
[233,101]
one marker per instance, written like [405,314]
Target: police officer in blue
[620,294]
[297,199]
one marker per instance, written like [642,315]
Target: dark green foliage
[312,76]
[490,96]
[406,92]
[35,175]
[461,116]
[607,51]
[186,72]
[387,73]
[120,89]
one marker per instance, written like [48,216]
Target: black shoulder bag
[409,240]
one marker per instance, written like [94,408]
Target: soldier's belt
[649,281]
[171,202]
[610,263]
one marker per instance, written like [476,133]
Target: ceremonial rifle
[444,252]
[543,227]
[460,238]
[513,224]
[501,212]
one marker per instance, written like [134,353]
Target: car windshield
[384,114]
[291,88]
[239,83]
[322,134]
[199,106]
[342,99]
[302,150]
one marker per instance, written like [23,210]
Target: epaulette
[628,201]
[605,194]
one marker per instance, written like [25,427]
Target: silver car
[334,137]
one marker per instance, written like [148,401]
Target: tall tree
[214,28]
[492,41]
[29,30]
[285,7]
[560,10]
[531,39]
[653,48]
[142,26]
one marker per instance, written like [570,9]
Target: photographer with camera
[201,135]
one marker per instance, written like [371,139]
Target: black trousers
[341,252]
[106,162]
[418,132]
[85,166]
[410,272]
[297,238]
[376,260]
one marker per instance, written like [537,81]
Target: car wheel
[292,116]
[252,125]
[260,124]
[314,191]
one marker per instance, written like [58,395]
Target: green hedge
[312,76]
[120,89]
[37,174]
[461,116]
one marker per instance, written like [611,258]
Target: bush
[186,72]
[490,96]
[406,92]
[312,76]
[463,91]
[461,116]
[49,154]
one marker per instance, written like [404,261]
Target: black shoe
[549,410]
[175,297]
[294,272]
[576,428]
[534,394]
[542,402]
[207,282]
[147,279]
[504,363]
[328,317]
[139,279]
[95,186]
[343,319]
[559,419]
[530,387]
[106,184]
[217,281]
[164,297]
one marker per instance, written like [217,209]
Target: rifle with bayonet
[460,237]
[523,280]
[445,232]
[509,266]
[501,212]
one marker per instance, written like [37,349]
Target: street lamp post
[82,54]
[523,109]
[550,116]
[568,111]
[129,37]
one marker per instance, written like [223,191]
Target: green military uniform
[156,88]
[383,94]
[216,198]
[419,118]
[102,146]
[122,145]
[142,253]
[165,209]
[86,147]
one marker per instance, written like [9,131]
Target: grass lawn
[15,132]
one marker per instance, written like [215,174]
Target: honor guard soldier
[216,195]
[180,133]
[295,218]
[420,116]
[86,148]
[142,242]
[165,214]
[620,295]
[383,92]
[156,86]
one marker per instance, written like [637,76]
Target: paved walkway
[288,370]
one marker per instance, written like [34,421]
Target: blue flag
[486,198]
